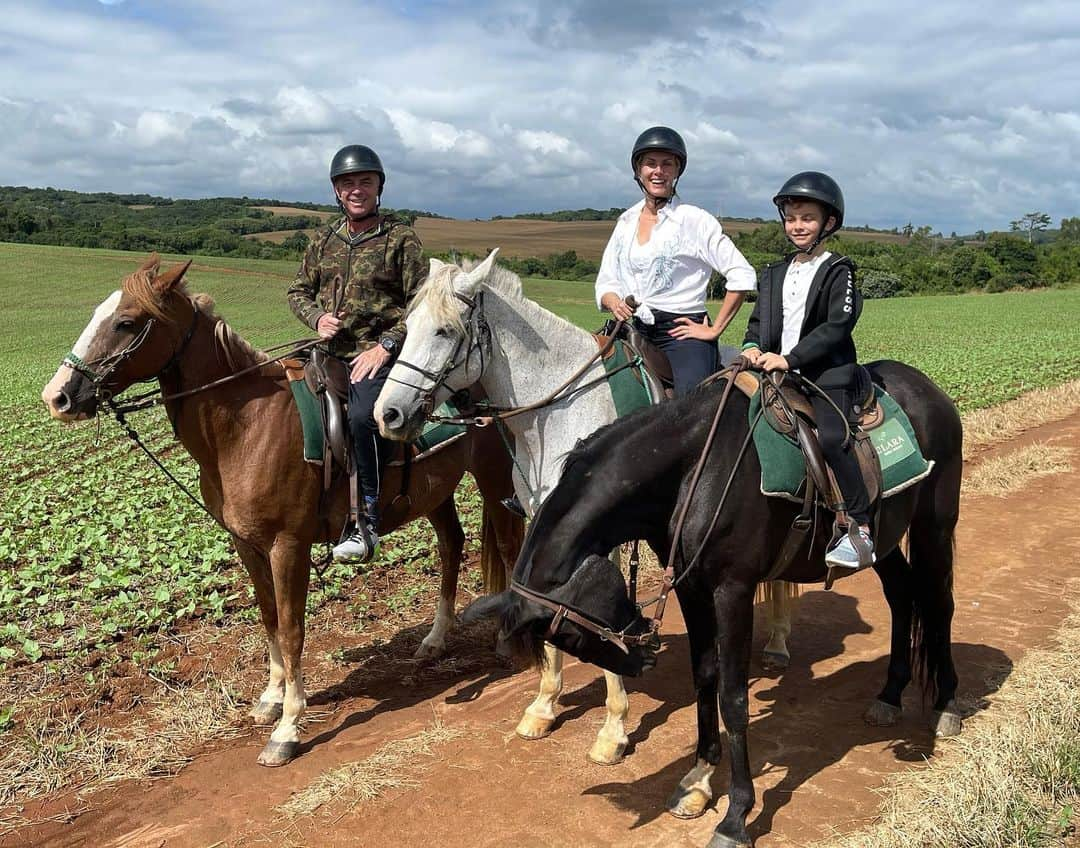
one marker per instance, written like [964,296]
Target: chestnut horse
[246,437]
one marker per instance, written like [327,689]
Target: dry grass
[278,236]
[518,237]
[1012,778]
[984,427]
[296,210]
[393,766]
[50,748]
[1005,474]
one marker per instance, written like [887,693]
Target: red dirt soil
[816,764]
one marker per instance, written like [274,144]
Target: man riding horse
[352,288]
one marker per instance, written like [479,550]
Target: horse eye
[442,332]
[125,324]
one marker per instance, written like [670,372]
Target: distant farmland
[521,237]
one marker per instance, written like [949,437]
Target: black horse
[626,481]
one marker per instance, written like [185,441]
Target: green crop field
[95,547]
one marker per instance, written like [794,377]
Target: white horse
[476,326]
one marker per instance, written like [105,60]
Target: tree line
[919,262]
[141,222]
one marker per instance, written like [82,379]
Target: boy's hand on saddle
[328,326]
[365,365]
[752,355]
[690,329]
[772,362]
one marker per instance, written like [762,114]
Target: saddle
[787,409]
[322,401]
[655,364]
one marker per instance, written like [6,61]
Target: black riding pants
[692,360]
[370,450]
[843,386]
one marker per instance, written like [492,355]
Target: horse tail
[501,537]
[931,551]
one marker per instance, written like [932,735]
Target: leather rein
[651,639]
[478,338]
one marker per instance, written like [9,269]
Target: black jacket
[833,305]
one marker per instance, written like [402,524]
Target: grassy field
[95,548]
[522,237]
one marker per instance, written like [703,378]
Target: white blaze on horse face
[102,317]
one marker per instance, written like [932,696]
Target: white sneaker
[846,554]
[358,546]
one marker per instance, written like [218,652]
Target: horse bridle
[477,336]
[114,360]
[651,638]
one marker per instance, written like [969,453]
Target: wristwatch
[388,344]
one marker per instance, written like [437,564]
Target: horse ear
[166,280]
[435,265]
[152,263]
[480,273]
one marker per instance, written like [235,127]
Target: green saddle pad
[783,469]
[433,434]
[628,391]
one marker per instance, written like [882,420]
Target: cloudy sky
[958,115]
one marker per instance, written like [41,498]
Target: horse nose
[391,417]
[59,401]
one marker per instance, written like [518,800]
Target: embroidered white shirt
[797,282]
[686,246]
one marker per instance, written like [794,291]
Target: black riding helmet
[659,138]
[355,158]
[813,185]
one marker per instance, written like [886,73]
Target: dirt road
[816,764]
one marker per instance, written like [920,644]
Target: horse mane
[437,295]
[140,287]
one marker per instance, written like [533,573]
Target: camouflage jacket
[367,283]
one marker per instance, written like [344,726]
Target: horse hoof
[719,840]
[278,753]
[688,803]
[774,661]
[532,728]
[946,722]
[429,652]
[604,752]
[265,713]
[882,714]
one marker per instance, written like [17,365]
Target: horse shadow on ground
[387,674]
[802,722]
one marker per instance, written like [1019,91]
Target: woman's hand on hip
[688,328]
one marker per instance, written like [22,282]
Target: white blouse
[671,271]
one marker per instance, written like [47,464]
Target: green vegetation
[929,264]
[96,547]
[141,222]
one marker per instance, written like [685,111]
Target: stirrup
[359,546]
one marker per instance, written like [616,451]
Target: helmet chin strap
[662,201]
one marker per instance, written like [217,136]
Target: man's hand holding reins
[328,326]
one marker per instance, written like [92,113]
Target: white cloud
[922,112]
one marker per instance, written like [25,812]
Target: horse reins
[620,638]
